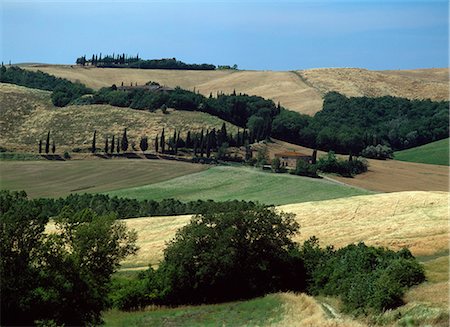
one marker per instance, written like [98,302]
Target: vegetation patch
[262,311]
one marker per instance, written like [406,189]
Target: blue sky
[263,35]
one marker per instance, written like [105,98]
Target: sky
[255,35]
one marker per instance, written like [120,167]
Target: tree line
[123,208]
[126,61]
[344,125]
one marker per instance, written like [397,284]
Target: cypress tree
[124,141]
[174,141]
[314,157]
[53,147]
[118,145]
[195,146]
[144,144]
[156,143]
[40,146]
[94,147]
[202,144]
[106,145]
[112,144]
[188,140]
[208,144]
[177,142]
[47,143]
[163,142]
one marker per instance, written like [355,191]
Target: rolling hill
[300,91]
[27,114]
[417,220]
[435,153]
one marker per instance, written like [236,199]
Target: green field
[241,183]
[60,178]
[255,312]
[435,153]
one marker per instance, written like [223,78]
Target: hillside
[435,153]
[300,91]
[27,115]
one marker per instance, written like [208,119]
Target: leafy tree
[276,165]
[231,255]
[69,270]
[378,152]
[124,141]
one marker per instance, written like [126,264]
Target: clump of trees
[346,168]
[241,254]
[367,279]
[127,61]
[59,278]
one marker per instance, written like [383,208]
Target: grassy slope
[255,312]
[28,114]
[227,183]
[436,153]
[275,310]
[55,179]
[299,91]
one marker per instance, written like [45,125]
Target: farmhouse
[151,88]
[289,158]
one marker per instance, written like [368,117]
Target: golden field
[300,90]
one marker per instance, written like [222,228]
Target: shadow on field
[54,157]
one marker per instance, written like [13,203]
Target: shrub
[66,155]
[302,168]
[378,152]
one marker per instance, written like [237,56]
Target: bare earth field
[300,91]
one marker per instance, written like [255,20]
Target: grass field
[435,153]
[28,114]
[250,184]
[297,90]
[275,310]
[54,179]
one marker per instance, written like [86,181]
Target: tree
[276,165]
[118,145]
[231,255]
[112,144]
[47,143]
[53,147]
[143,144]
[106,145]
[94,146]
[124,141]
[69,270]
[40,146]
[188,140]
[163,142]
[156,144]
[208,144]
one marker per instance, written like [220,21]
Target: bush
[66,155]
[378,152]
[302,168]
